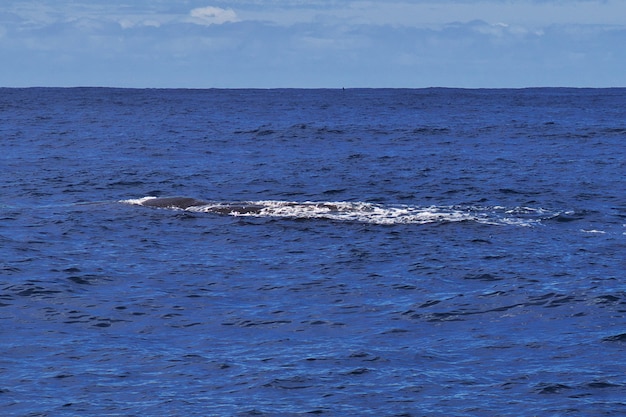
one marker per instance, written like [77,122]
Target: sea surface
[415,252]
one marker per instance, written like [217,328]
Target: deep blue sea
[411,252]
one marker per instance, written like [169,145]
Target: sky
[313,43]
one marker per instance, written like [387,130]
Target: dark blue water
[432,252]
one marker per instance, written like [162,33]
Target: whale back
[173,202]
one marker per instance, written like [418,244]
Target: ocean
[357,252]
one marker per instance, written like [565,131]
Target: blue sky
[313,43]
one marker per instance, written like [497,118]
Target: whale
[173,202]
[185,203]
[193,204]
[356,211]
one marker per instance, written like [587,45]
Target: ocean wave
[357,211]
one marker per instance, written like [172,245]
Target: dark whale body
[187,202]
[174,202]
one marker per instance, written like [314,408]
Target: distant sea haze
[337,252]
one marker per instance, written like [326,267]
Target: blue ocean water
[430,252]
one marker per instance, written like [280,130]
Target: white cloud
[212,15]
[127,23]
[436,13]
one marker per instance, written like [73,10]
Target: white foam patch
[137,201]
[593,231]
[372,213]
